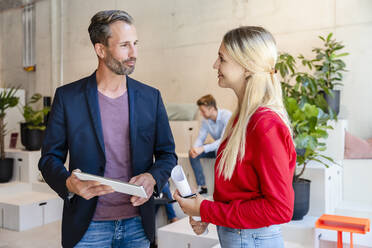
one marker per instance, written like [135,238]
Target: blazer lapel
[92,99]
[132,96]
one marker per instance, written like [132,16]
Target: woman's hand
[199,227]
[190,206]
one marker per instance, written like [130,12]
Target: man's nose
[132,52]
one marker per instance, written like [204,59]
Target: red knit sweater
[260,191]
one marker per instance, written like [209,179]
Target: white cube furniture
[336,140]
[29,209]
[25,202]
[25,164]
[180,234]
[325,187]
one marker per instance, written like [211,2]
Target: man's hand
[196,151]
[148,182]
[86,188]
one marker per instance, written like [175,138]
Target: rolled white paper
[180,180]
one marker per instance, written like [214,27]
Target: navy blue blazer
[74,127]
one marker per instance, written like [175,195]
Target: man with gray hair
[113,126]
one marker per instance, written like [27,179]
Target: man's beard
[119,67]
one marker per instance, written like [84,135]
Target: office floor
[47,236]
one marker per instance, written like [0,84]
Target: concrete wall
[11,47]
[43,82]
[179,41]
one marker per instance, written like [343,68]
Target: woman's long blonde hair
[255,50]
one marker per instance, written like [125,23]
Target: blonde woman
[255,162]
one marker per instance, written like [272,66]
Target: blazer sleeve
[164,148]
[54,149]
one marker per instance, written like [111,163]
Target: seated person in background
[214,123]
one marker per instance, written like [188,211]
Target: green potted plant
[32,129]
[328,68]
[8,99]
[301,85]
[305,107]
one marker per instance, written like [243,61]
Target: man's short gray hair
[99,28]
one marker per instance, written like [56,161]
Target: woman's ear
[247,73]
[100,50]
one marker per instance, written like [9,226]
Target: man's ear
[100,50]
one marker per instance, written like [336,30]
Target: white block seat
[14,187]
[26,210]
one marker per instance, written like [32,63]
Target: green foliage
[328,65]
[305,104]
[8,99]
[309,124]
[35,118]
[322,73]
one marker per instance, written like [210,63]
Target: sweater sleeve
[271,161]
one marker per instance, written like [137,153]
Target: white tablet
[118,186]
